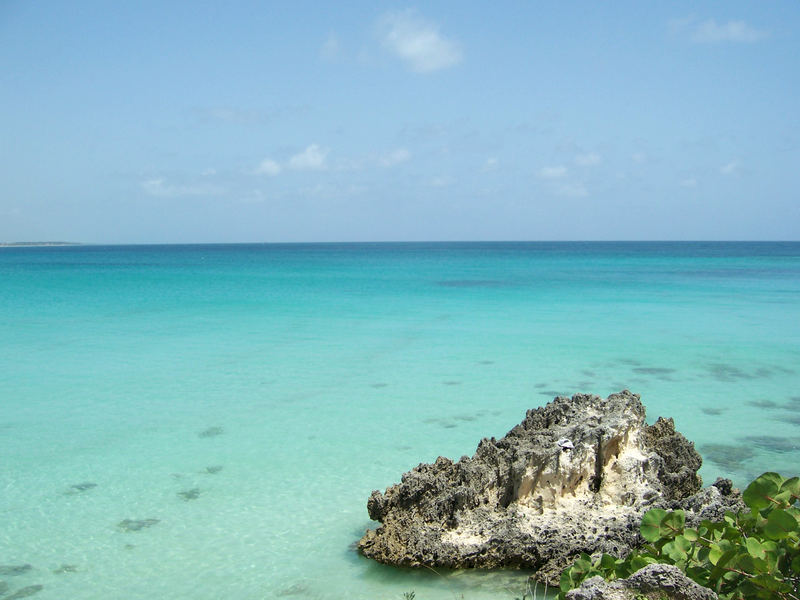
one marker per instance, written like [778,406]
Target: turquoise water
[250,397]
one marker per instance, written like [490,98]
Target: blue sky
[146,122]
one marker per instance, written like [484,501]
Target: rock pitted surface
[533,500]
[657,582]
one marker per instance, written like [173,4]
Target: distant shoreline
[33,244]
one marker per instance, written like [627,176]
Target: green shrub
[754,554]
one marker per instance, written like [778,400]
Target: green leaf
[793,487]
[639,562]
[796,564]
[691,534]
[719,550]
[565,583]
[698,574]
[608,563]
[754,548]
[758,495]
[677,549]
[780,524]
[651,524]
[672,524]
[768,582]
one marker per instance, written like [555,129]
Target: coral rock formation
[575,476]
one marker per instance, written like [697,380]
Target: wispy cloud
[160,188]
[229,114]
[331,50]
[589,159]
[442,181]
[555,172]
[491,164]
[731,168]
[639,157]
[572,190]
[310,159]
[268,167]
[712,32]
[689,182]
[418,42]
[395,157]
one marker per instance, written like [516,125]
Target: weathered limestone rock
[653,582]
[533,500]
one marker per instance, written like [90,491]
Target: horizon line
[31,244]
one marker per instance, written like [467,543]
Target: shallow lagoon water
[234,406]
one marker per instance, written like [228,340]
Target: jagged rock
[656,582]
[529,500]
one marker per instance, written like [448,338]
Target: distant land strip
[14,244]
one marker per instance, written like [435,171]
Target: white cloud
[268,167]
[418,42]
[491,164]
[331,49]
[396,157]
[572,190]
[442,181]
[638,157]
[732,168]
[158,187]
[711,32]
[689,182]
[555,172]
[253,197]
[312,158]
[589,159]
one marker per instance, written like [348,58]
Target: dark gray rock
[11,570]
[136,524]
[79,488]
[25,592]
[527,501]
[192,494]
[211,432]
[656,582]
[63,569]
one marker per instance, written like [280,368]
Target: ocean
[208,421]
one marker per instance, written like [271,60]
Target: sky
[182,122]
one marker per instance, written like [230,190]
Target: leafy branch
[753,554]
